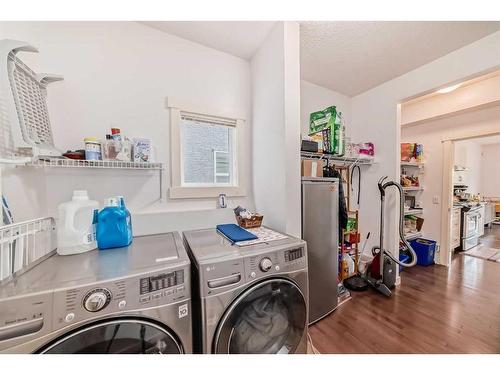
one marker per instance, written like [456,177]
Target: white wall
[119,73]
[375,117]
[431,134]
[490,178]
[315,98]
[276,128]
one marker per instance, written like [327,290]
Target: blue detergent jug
[114,226]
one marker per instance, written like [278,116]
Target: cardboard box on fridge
[312,168]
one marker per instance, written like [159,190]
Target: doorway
[473,196]
[435,122]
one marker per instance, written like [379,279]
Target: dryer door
[269,317]
[117,336]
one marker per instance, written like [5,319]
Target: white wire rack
[339,160]
[26,106]
[24,245]
[103,164]
[31,103]
[414,211]
[412,236]
[412,164]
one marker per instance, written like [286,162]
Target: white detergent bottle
[76,229]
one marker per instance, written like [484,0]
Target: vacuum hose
[382,187]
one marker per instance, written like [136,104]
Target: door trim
[445,251]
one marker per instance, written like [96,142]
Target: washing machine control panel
[133,293]
[97,299]
[161,281]
[294,254]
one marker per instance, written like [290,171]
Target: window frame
[177,189]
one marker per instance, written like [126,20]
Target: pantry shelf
[414,211]
[412,188]
[413,236]
[412,164]
[335,159]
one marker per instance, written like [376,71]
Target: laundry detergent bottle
[114,225]
[76,227]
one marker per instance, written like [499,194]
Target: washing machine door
[269,317]
[117,336]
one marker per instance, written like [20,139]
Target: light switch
[435,199]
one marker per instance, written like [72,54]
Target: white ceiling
[353,57]
[237,38]
[345,56]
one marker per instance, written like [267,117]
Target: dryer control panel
[221,276]
[287,260]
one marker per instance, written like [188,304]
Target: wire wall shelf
[412,188]
[102,164]
[414,211]
[413,236]
[412,164]
[336,159]
[23,245]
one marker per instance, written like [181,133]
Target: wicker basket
[254,222]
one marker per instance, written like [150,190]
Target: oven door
[471,224]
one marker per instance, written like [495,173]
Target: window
[206,153]
[207,150]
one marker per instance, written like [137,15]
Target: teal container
[114,226]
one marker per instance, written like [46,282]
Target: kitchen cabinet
[460,156]
[489,213]
[456,220]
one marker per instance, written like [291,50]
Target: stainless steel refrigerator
[320,229]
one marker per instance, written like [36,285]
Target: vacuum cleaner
[380,274]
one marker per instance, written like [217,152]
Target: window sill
[179,192]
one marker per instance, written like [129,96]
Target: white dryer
[251,299]
[127,300]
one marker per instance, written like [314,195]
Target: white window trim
[179,191]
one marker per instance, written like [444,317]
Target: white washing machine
[251,299]
[135,299]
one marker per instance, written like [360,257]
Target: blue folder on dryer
[235,233]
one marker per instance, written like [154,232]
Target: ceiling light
[449,89]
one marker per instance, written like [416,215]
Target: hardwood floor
[434,310]
[491,237]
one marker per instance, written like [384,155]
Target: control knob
[265,264]
[96,300]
